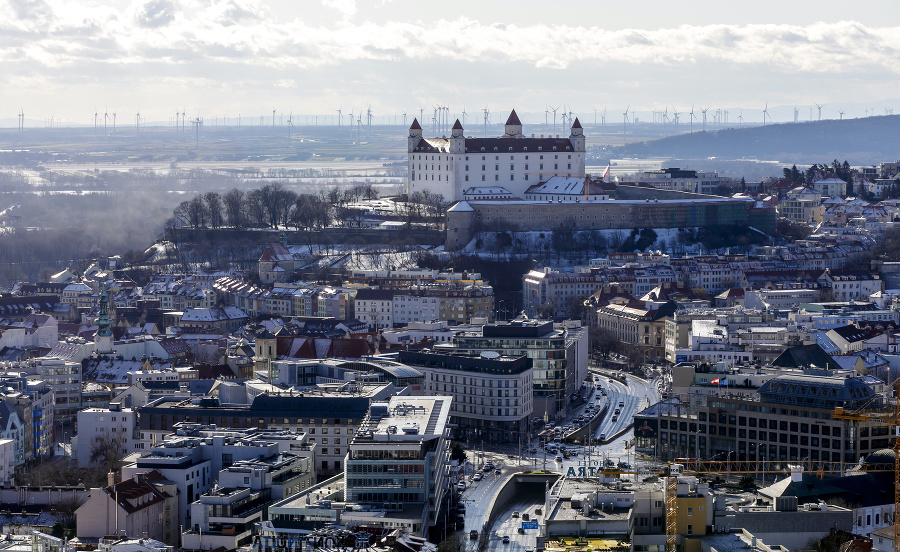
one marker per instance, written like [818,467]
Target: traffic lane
[478,496]
[506,525]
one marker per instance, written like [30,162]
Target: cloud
[156,13]
[346,7]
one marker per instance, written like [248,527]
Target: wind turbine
[554,110]
[105,119]
[595,116]
[487,118]
[21,120]
[290,125]
[137,121]
[624,123]
[820,110]
[404,119]
[273,117]
[704,117]
[766,114]
[464,114]
[841,112]
[692,118]
[340,115]
[796,114]
[676,115]
[546,114]
[741,117]
[114,121]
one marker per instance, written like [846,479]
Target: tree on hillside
[214,208]
[233,202]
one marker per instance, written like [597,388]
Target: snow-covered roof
[461,207]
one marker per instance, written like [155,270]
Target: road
[635,396]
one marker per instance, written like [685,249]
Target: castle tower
[457,138]
[577,136]
[103,342]
[513,128]
[415,134]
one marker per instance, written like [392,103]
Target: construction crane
[891,417]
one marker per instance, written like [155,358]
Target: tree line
[274,206]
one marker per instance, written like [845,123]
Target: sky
[68,59]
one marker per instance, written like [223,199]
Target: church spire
[103,320]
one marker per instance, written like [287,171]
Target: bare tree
[214,208]
[234,207]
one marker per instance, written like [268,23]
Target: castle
[452,166]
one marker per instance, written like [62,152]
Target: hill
[865,141]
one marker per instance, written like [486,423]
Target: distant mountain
[866,141]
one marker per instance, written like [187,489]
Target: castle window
[482,178]
[540,148]
[511,167]
[554,148]
[510,149]
[526,166]
[496,177]
[510,177]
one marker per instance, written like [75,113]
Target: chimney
[110,479]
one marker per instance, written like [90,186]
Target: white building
[374,308]
[114,425]
[449,166]
[7,463]
[398,463]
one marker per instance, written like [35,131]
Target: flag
[606,172]
[714,381]
[724,381]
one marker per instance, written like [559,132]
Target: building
[788,418]
[142,505]
[562,189]
[276,264]
[398,462]
[681,180]
[802,205]
[492,393]
[559,355]
[112,427]
[328,415]
[224,516]
[373,307]
[449,166]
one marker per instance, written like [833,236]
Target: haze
[223,58]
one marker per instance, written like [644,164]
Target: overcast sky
[218,58]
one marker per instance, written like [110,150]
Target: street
[477,497]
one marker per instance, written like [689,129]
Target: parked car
[558,458]
[477,476]
[473,534]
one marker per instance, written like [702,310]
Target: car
[497,471]
[478,476]
[617,411]
[521,530]
[621,403]
[537,511]
[525,516]
[461,508]
[602,437]
[615,418]
[558,458]
[461,486]
[473,534]
[505,539]
[573,452]
[515,514]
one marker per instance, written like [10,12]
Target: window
[690,512]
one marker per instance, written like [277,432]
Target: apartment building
[559,355]
[493,397]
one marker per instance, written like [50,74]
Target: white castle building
[457,166]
